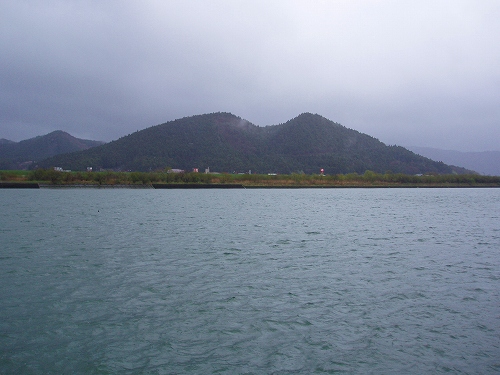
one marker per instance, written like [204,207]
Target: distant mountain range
[486,162]
[20,155]
[224,142]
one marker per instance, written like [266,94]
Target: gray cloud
[423,73]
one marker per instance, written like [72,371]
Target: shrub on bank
[297,179]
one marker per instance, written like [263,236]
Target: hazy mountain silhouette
[4,141]
[485,162]
[16,155]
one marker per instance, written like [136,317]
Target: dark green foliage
[226,143]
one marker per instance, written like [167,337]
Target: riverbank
[47,178]
[17,185]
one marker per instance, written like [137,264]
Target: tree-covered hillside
[226,143]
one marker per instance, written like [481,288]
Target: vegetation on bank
[369,178]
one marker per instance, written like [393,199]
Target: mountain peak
[60,132]
[308,116]
[14,155]
[315,118]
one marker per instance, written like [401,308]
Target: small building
[59,169]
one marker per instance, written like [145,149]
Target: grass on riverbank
[368,179]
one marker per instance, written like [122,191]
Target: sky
[412,73]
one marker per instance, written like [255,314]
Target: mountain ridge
[18,155]
[225,142]
[4,141]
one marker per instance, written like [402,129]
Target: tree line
[298,179]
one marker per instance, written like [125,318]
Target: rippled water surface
[250,281]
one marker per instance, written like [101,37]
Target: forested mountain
[485,162]
[16,155]
[226,143]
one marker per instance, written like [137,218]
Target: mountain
[226,143]
[486,162]
[17,155]
[4,141]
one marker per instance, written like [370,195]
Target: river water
[260,281]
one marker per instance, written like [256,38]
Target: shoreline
[34,185]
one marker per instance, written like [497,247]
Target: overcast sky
[422,73]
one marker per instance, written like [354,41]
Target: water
[250,281]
